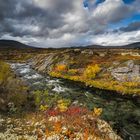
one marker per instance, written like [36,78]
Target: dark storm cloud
[61,22]
[131,27]
[21,12]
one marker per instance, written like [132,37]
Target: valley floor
[35,105]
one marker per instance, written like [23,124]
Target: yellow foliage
[89,75]
[130,84]
[63,104]
[75,78]
[73,71]
[97,111]
[55,74]
[43,107]
[91,71]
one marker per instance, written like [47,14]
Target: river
[123,114]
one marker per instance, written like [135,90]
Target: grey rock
[122,70]
[130,64]
[130,72]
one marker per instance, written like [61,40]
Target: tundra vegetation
[94,75]
[51,115]
[13,91]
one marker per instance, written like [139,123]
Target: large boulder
[130,72]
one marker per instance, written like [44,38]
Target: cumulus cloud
[111,11]
[116,39]
[59,23]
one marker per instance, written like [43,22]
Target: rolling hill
[11,44]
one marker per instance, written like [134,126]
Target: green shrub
[12,89]
[4,72]
[41,98]
[16,92]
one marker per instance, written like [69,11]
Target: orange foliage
[57,127]
[76,119]
[61,68]
[86,134]
[47,132]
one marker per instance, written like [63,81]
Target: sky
[66,23]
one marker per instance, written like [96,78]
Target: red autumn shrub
[75,110]
[52,112]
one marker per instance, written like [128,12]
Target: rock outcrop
[129,72]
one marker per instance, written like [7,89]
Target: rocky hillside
[105,68]
[111,69]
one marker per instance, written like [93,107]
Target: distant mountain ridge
[12,44]
[135,45]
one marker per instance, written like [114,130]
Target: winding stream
[122,113]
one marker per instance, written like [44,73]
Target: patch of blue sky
[86,2]
[87,5]
[128,1]
[125,22]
